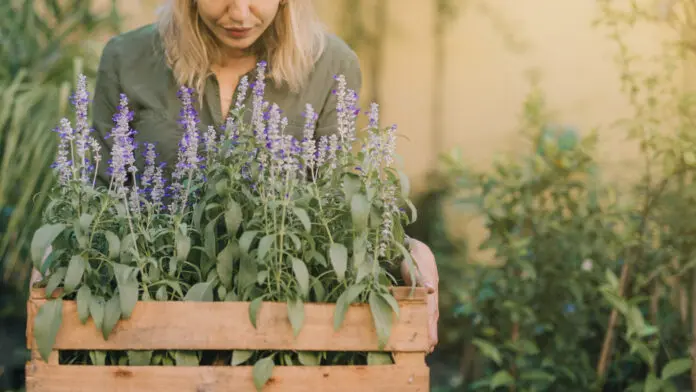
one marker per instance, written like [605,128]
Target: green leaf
[46,325]
[314,255]
[112,313]
[652,383]
[42,239]
[245,241]
[210,240]
[613,280]
[254,308]
[83,299]
[161,294]
[248,273]
[304,218]
[414,211]
[186,358]
[48,262]
[404,183]
[81,228]
[676,367]
[198,215]
[412,268]
[377,358]
[233,217]
[241,356]
[128,245]
[500,379]
[76,269]
[225,264]
[529,347]
[231,296]
[183,245]
[299,268]
[296,315]
[127,283]
[319,290]
[309,358]
[54,280]
[114,244]
[339,259]
[537,375]
[382,317]
[265,246]
[644,352]
[200,292]
[360,211]
[344,301]
[97,358]
[96,310]
[364,270]
[262,371]
[488,350]
[139,358]
[392,302]
[360,249]
[295,241]
[351,185]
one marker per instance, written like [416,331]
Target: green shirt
[133,63]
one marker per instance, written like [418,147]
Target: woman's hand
[429,279]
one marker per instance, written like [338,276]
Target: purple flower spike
[149,172]
[308,147]
[122,158]
[188,159]
[63,164]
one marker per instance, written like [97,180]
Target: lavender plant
[250,214]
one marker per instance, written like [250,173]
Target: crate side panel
[392,378]
[226,325]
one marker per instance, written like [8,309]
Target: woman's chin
[237,44]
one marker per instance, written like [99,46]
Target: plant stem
[188,189]
[282,231]
[96,170]
[625,269]
[321,210]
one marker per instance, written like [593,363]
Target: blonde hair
[292,43]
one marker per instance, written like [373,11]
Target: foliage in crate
[247,214]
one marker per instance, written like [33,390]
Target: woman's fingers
[429,279]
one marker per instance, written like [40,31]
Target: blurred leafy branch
[44,44]
[594,283]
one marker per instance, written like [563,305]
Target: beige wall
[486,81]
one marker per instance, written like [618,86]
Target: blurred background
[552,150]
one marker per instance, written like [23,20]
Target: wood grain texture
[389,378]
[226,326]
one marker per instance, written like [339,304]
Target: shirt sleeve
[349,67]
[104,106]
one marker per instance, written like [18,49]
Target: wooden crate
[226,326]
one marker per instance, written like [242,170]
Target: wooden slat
[416,294]
[392,378]
[409,358]
[226,326]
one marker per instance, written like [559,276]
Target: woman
[209,45]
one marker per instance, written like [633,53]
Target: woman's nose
[238,10]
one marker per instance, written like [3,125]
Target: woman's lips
[237,32]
